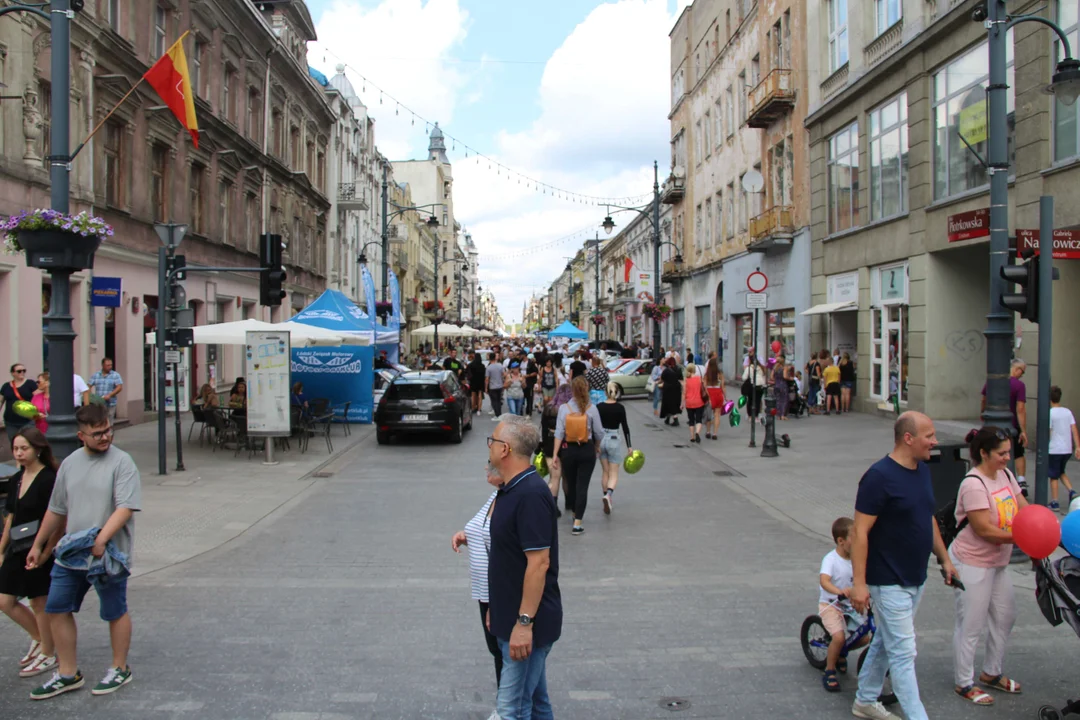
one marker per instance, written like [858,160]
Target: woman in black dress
[671,393]
[29,491]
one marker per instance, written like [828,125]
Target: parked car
[615,363]
[631,377]
[423,401]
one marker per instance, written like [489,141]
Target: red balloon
[1036,531]
[776,346]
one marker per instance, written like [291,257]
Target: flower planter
[57,249]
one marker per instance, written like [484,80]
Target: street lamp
[1065,83]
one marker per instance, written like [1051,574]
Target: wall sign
[105,291]
[1066,243]
[892,285]
[842,288]
[969,225]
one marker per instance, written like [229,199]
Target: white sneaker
[40,664]
[872,711]
[31,654]
[607,504]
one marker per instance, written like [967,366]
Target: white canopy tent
[300,335]
[445,330]
[470,331]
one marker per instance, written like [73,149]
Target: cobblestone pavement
[346,602]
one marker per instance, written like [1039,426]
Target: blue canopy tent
[342,374]
[567,330]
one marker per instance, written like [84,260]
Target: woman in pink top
[40,400]
[694,397]
[988,498]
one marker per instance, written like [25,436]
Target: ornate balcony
[673,189]
[771,99]
[351,197]
[772,229]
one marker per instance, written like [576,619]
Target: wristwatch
[525,620]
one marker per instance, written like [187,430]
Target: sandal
[841,665]
[1002,683]
[830,682]
[974,695]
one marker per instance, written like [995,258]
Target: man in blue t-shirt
[894,534]
[525,607]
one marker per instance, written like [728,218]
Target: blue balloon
[1070,533]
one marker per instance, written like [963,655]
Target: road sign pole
[1046,309]
[753,380]
[163,293]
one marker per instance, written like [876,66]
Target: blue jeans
[515,405]
[893,649]
[523,691]
[656,398]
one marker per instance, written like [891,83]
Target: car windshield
[612,364]
[629,368]
[415,391]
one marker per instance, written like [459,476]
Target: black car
[423,401]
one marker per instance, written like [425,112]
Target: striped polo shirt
[477,532]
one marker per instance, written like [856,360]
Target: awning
[826,308]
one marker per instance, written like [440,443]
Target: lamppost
[654,208]
[1065,84]
[596,277]
[570,286]
[432,222]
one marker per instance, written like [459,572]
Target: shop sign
[1066,243]
[893,285]
[105,291]
[643,285]
[969,225]
[842,288]
[973,123]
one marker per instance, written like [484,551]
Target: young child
[1064,442]
[836,580]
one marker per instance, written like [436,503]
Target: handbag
[21,537]
[650,385]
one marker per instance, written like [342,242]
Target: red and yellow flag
[446,291]
[169,76]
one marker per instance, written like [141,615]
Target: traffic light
[176,263]
[1026,276]
[272,278]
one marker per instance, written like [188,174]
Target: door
[889,365]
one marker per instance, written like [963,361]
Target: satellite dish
[679,171]
[752,181]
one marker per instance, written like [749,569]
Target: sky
[571,93]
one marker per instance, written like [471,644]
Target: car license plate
[414,418]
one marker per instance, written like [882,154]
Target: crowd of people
[103,388]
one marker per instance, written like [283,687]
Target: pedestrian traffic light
[1026,276]
[174,265]
[272,278]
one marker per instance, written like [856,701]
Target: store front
[889,334]
[840,311]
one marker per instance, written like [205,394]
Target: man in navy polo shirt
[525,612]
[894,534]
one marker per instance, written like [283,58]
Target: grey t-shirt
[90,486]
[494,374]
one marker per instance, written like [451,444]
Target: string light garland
[531,183]
[543,247]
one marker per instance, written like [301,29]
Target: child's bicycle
[815,644]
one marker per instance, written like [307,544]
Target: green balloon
[634,462]
[24,408]
[540,463]
[742,401]
[734,418]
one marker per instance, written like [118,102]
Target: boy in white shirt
[836,580]
[1064,443]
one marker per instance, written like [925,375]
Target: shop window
[744,333]
[844,179]
[702,333]
[960,109]
[780,325]
[889,159]
[678,330]
[1066,117]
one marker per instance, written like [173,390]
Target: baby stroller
[797,406]
[1058,594]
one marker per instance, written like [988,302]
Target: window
[309,166]
[718,126]
[889,158]
[678,328]
[777,45]
[838,38]
[196,67]
[706,240]
[112,12]
[225,191]
[755,71]
[206,62]
[1066,134]
[729,228]
[780,326]
[294,147]
[960,108]
[718,229]
[729,111]
[697,227]
[297,240]
[743,90]
[196,198]
[161,20]
[251,220]
[158,189]
[277,131]
[844,179]
[320,172]
[707,128]
[698,154]
[887,13]
[254,127]
[743,204]
[781,174]
[744,333]
[114,166]
[727,20]
[228,108]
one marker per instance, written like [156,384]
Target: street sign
[756,301]
[969,225]
[756,282]
[172,357]
[1066,243]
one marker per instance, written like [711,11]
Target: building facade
[260,167]
[412,259]
[738,149]
[890,173]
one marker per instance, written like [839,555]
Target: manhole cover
[675,704]
[323,474]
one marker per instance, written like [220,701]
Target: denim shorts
[69,587]
[611,447]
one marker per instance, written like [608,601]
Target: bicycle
[815,641]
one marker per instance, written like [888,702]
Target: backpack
[946,516]
[576,428]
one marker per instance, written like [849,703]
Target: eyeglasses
[496,440]
[101,433]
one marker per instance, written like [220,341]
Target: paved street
[338,597]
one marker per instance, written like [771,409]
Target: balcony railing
[351,197]
[773,227]
[672,270]
[673,190]
[771,99]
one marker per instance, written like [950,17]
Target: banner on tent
[343,374]
[395,300]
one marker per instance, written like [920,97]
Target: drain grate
[675,704]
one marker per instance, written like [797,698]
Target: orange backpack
[576,428]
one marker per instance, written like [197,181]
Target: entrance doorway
[889,371]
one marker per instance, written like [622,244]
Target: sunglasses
[20,372]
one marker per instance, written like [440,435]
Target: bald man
[894,534]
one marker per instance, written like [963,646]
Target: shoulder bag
[21,537]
